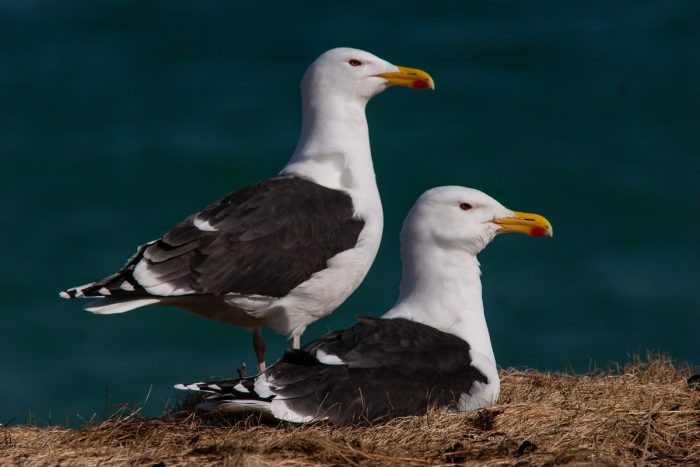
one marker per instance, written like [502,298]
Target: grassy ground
[642,413]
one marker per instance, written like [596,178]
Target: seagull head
[464,219]
[356,74]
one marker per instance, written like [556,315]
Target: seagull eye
[354,62]
[465,206]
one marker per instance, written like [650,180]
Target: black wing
[393,367]
[389,368]
[264,239]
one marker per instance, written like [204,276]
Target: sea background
[120,118]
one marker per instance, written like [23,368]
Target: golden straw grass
[642,413]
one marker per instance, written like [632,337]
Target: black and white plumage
[431,349]
[423,365]
[264,239]
[289,250]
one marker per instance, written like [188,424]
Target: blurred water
[119,118]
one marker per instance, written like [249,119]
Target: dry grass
[644,413]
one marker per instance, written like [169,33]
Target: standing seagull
[286,251]
[431,349]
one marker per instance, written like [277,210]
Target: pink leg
[259,347]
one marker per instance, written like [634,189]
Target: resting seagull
[286,251]
[431,349]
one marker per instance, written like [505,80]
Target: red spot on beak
[419,84]
[538,232]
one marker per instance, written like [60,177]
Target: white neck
[442,289]
[333,148]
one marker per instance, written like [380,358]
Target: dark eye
[465,206]
[354,62]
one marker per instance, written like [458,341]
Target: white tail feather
[109,306]
[235,406]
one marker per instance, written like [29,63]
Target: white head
[441,285]
[353,73]
[333,148]
[464,219]
[441,236]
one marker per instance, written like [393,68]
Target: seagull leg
[242,370]
[259,347]
[296,342]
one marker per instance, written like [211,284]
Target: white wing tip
[240,388]
[328,358]
[188,387]
[204,226]
[74,292]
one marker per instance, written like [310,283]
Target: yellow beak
[525,223]
[409,77]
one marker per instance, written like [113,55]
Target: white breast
[482,395]
[326,290]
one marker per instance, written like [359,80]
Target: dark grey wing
[264,239]
[386,368]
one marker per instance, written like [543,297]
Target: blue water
[119,118]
